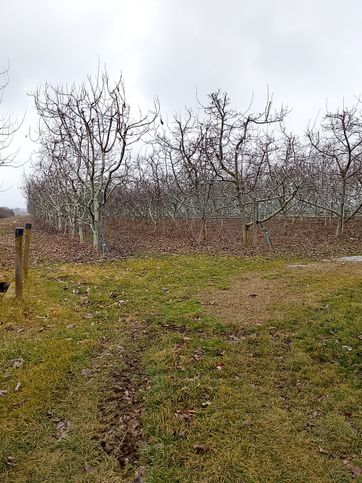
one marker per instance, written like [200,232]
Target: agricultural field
[204,366]
[180,242]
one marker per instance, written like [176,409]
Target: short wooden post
[26,250]
[19,232]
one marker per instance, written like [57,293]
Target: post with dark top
[19,262]
[26,250]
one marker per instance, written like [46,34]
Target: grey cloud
[306,51]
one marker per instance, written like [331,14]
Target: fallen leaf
[198,354]
[356,470]
[206,404]
[201,448]
[10,461]
[139,475]
[233,337]
[63,428]
[185,414]
[88,468]
[321,450]
[347,347]
[86,372]
[308,425]
[179,434]
[17,363]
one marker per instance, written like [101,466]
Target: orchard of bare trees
[99,157]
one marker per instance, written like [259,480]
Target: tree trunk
[285,225]
[244,227]
[59,218]
[71,226]
[204,230]
[245,232]
[255,222]
[80,234]
[340,224]
[97,226]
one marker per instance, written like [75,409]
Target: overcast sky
[307,51]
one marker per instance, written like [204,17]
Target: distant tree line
[6,212]
[98,157]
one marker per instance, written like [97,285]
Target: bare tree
[95,120]
[339,143]
[238,146]
[97,159]
[183,145]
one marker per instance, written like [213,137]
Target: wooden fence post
[19,262]
[26,250]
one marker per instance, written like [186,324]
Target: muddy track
[120,411]
[122,397]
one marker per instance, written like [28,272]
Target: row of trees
[97,157]
[86,136]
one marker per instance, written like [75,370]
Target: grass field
[183,369]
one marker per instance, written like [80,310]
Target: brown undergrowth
[304,238]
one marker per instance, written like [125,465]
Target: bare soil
[255,299]
[247,302]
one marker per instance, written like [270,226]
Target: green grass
[280,403]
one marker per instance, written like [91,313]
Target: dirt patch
[255,299]
[249,300]
[305,238]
